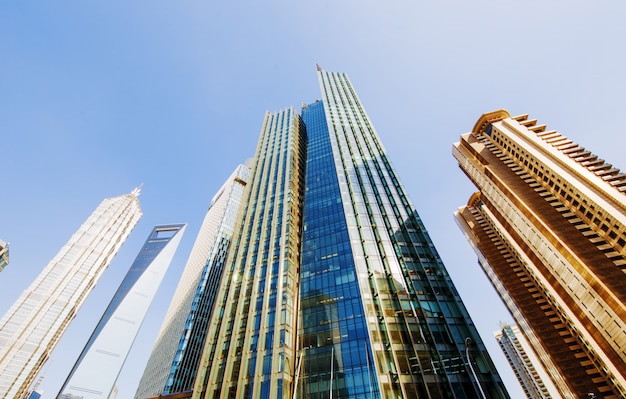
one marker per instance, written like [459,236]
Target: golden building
[549,227]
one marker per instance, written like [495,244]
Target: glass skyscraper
[174,359]
[98,366]
[332,287]
[32,327]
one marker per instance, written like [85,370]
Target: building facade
[34,324]
[332,286]
[95,372]
[4,254]
[528,369]
[174,359]
[549,228]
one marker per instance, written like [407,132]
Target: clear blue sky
[99,97]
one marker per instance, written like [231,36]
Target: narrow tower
[32,327]
[251,341]
[99,364]
[173,362]
[526,365]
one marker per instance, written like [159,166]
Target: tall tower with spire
[332,287]
[32,327]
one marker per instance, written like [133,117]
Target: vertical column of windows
[333,327]
[254,342]
[387,228]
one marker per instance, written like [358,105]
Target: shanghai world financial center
[332,287]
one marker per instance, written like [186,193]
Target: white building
[98,366]
[527,367]
[32,327]
[174,359]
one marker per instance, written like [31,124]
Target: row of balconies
[599,167]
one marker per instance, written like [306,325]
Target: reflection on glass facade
[98,366]
[32,327]
[174,359]
[329,239]
[335,349]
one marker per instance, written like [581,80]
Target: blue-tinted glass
[334,333]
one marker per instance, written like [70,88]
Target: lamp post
[468,342]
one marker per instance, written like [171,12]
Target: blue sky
[99,97]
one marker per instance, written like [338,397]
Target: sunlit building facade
[4,254]
[332,286]
[95,372]
[528,369]
[34,324]
[174,359]
[549,228]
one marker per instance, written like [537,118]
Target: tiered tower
[32,327]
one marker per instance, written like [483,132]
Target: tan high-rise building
[33,326]
[549,227]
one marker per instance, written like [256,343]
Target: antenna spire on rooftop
[137,191]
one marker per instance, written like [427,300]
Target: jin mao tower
[34,324]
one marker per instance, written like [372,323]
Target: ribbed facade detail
[34,324]
[174,359]
[332,286]
[251,342]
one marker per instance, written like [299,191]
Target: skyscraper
[4,254]
[34,324]
[527,367]
[549,227]
[332,286]
[174,359]
[98,366]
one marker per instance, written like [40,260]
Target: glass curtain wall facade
[333,288]
[335,354]
[251,342]
[173,362]
[549,228]
[34,324]
[95,372]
